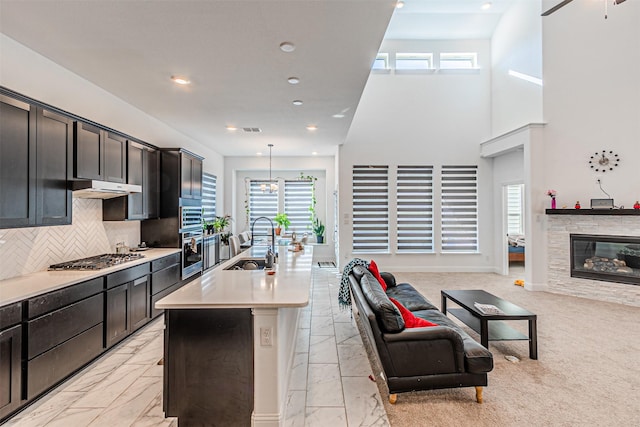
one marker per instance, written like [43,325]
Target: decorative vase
[320,239]
[553,202]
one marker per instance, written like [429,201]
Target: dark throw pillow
[388,316]
[410,320]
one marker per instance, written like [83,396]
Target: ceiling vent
[252,130]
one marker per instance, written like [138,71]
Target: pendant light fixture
[273,185]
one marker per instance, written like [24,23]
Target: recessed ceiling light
[180,80]
[293,80]
[231,127]
[258,153]
[314,153]
[338,116]
[399,4]
[297,102]
[312,127]
[287,47]
[486,5]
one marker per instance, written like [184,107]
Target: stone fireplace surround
[559,228]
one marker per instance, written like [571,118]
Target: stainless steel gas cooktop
[96,262]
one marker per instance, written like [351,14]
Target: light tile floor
[329,383]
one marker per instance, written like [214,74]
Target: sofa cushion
[410,298]
[477,358]
[411,321]
[373,268]
[386,312]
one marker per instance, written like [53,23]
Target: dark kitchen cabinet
[35,157]
[17,163]
[64,331]
[165,278]
[10,358]
[54,159]
[191,176]
[127,302]
[142,169]
[99,154]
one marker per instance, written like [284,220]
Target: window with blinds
[515,223]
[208,197]
[262,204]
[297,201]
[459,202]
[414,194]
[370,208]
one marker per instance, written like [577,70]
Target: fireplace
[606,258]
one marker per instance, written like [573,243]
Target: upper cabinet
[142,169]
[191,173]
[53,168]
[35,160]
[181,180]
[99,154]
[17,163]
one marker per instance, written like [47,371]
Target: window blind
[208,197]
[459,201]
[370,208]
[261,204]
[415,208]
[297,201]
[514,209]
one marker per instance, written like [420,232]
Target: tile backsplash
[27,250]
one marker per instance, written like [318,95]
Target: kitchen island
[230,340]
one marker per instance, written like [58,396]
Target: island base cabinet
[208,369]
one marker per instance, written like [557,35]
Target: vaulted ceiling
[230,51]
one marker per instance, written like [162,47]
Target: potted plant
[283,221]
[221,222]
[318,230]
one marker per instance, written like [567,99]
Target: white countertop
[220,288]
[30,285]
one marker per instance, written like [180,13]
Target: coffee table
[491,326]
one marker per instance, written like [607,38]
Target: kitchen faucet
[273,233]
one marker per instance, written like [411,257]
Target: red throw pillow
[410,319]
[373,268]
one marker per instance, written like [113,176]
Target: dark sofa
[413,359]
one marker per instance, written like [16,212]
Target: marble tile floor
[329,383]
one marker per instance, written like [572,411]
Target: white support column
[266,395]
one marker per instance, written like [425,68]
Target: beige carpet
[587,372]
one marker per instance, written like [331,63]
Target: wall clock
[603,161]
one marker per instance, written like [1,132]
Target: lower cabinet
[64,331]
[48,337]
[127,302]
[10,369]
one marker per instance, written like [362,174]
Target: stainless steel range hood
[94,189]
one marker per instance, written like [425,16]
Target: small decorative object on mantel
[577,206]
[636,205]
[552,194]
[604,161]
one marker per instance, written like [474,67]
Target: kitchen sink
[248,264]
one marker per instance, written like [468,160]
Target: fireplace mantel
[592,212]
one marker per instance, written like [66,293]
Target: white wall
[31,74]
[431,119]
[516,45]
[591,100]
[238,168]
